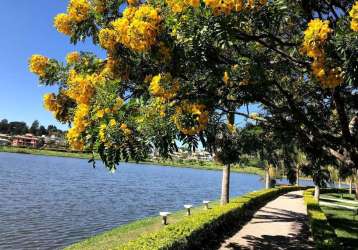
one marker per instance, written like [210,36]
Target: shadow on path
[297,235]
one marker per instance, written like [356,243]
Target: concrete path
[280,224]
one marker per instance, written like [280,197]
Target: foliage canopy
[181,69]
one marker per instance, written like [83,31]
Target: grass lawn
[119,236]
[45,152]
[342,220]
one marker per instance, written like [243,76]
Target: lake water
[52,202]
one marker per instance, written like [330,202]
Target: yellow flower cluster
[99,5]
[77,11]
[164,86]
[231,128]
[80,122]
[112,123]
[191,118]
[137,29]
[118,104]
[227,6]
[329,78]
[315,38]
[81,87]
[73,57]
[108,39]
[178,6]
[132,2]
[226,78]
[111,69]
[63,24]
[104,128]
[354,15]
[102,132]
[38,65]
[126,131]
[50,103]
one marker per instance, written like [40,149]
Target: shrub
[205,228]
[323,234]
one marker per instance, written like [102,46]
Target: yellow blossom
[107,39]
[80,123]
[231,128]
[102,132]
[315,37]
[178,6]
[50,103]
[227,6]
[164,86]
[126,131]
[112,123]
[118,104]
[63,24]
[191,118]
[73,57]
[137,29]
[100,113]
[38,65]
[226,77]
[354,15]
[78,10]
[81,87]
[132,2]
[100,6]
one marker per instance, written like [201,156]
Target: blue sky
[27,28]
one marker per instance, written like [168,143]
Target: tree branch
[343,119]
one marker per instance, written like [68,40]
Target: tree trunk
[225,185]
[339,183]
[356,184]
[350,185]
[267,178]
[298,177]
[316,192]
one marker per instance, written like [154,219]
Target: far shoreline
[206,165]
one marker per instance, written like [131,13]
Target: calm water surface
[52,202]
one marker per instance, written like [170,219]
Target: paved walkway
[281,224]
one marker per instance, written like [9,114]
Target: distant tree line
[21,128]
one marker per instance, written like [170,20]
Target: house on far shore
[27,140]
[5,140]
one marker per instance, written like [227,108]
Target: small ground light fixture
[188,207]
[164,217]
[206,203]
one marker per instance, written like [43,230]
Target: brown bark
[225,185]
[356,184]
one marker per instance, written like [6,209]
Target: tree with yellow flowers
[181,69]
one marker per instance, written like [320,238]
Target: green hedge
[323,234]
[205,228]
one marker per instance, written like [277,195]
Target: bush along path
[204,229]
[280,224]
